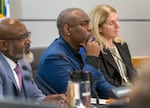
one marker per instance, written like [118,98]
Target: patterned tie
[19,75]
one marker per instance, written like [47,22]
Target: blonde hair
[98,17]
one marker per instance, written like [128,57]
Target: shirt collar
[11,63]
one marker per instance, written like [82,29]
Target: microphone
[95,92]
[25,68]
[92,82]
[122,91]
[27,77]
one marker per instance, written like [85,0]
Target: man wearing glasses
[15,72]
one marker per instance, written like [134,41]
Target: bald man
[15,52]
[63,57]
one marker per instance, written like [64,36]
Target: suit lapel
[122,52]
[8,70]
[110,60]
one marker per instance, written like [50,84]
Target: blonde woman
[114,59]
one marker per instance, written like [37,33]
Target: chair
[37,51]
[139,61]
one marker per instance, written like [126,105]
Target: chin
[28,57]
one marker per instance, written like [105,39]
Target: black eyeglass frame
[20,37]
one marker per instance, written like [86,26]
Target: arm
[101,85]
[54,72]
[1,86]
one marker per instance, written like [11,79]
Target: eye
[24,36]
[84,23]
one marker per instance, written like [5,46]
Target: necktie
[19,75]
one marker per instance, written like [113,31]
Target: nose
[89,27]
[28,40]
[117,24]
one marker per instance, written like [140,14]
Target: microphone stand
[95,93]
[97,99]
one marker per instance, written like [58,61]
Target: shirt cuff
[92,61]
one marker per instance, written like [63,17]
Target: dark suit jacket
[109,67]
[56,63]
[8,86]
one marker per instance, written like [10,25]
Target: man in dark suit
[15,51]
[62,56]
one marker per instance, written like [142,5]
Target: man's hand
[92,48]
[56,99]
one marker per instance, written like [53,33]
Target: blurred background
[40,18]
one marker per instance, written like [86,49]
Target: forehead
[18,25]
[11,27]
[79,16]
[112,16]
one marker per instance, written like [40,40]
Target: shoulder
[121,44]
[58,47]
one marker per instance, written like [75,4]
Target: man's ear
[3,45]
[66,29]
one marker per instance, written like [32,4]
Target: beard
[28,57]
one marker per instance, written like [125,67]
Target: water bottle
[79,90]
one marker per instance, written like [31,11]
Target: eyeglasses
[20,37]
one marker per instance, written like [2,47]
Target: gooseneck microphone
[92,82]
[95,92]
[27,77]
[121,91]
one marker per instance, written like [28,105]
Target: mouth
[27,49]
[90,36]
[86,38]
